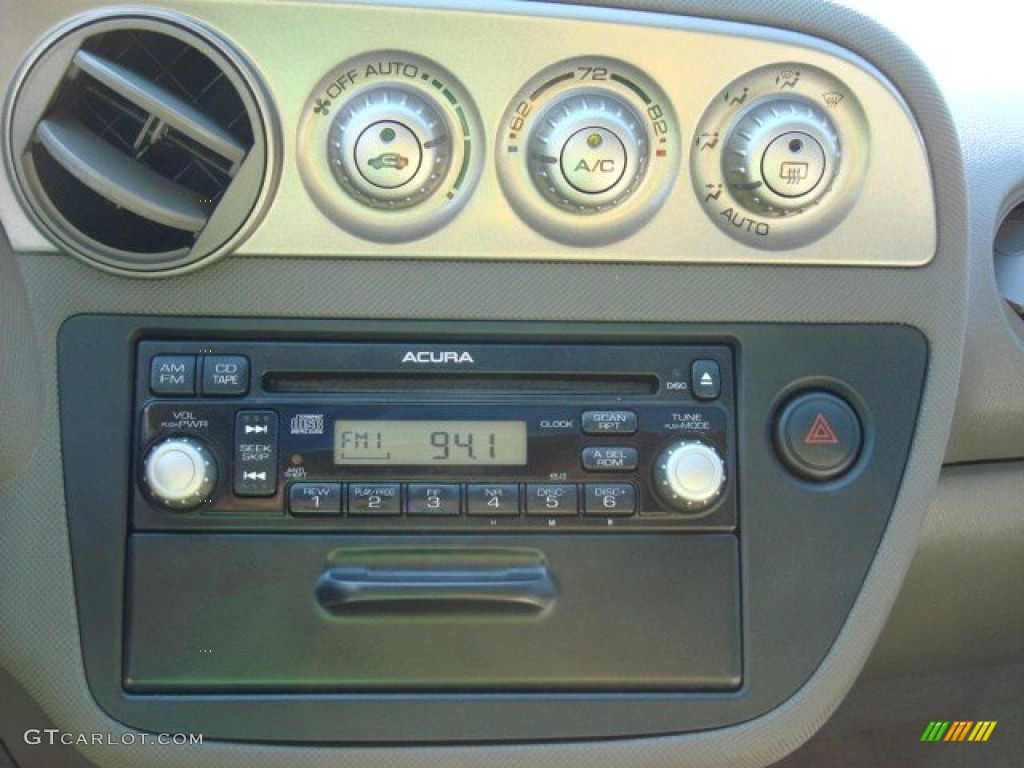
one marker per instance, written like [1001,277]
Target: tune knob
[689,475]
[180,472]
[588,151]
[781,156]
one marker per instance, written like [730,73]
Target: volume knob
[689,475]
[180,472]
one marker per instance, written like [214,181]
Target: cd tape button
[432,500]
[609,422]
[551,500]
[366,499]
[499,500]
[612,458]
[255,453]
[225,375]
[609,499]
[315,499]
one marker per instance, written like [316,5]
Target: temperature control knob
[588,152]
[689,475]
[781,156]
[180,472]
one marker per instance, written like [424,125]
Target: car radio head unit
[487,437]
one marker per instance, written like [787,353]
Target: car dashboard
[490,383]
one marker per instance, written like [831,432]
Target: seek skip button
[609,422]
[610,459]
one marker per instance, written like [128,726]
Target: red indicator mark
[821,432]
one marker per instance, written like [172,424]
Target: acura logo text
[437,357]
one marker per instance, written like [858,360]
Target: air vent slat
[118,177]
[161,104]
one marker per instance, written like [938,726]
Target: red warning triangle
[821,432]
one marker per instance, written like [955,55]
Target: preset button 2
[366,499]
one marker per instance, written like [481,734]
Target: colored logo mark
[959,730]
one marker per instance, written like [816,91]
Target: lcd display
[426,443]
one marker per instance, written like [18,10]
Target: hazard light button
[818,436]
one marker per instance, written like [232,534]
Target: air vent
[140,142]
[1009,259]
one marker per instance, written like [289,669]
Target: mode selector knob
[588,152]
[689,475]
[781,156]
[180,472]
[390,147]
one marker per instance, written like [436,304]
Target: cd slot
[458,385]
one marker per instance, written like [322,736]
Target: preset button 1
[315,499]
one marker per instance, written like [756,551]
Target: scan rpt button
[609,422]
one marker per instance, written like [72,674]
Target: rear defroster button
[818,436]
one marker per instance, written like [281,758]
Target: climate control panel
[617,158]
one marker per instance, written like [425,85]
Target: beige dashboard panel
[295,52]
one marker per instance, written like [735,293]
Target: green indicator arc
[633,87]
[463,122]
[463,170]
[552,83]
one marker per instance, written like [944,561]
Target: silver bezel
[731,209]
[445,198]
[29,96]
[621,213]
